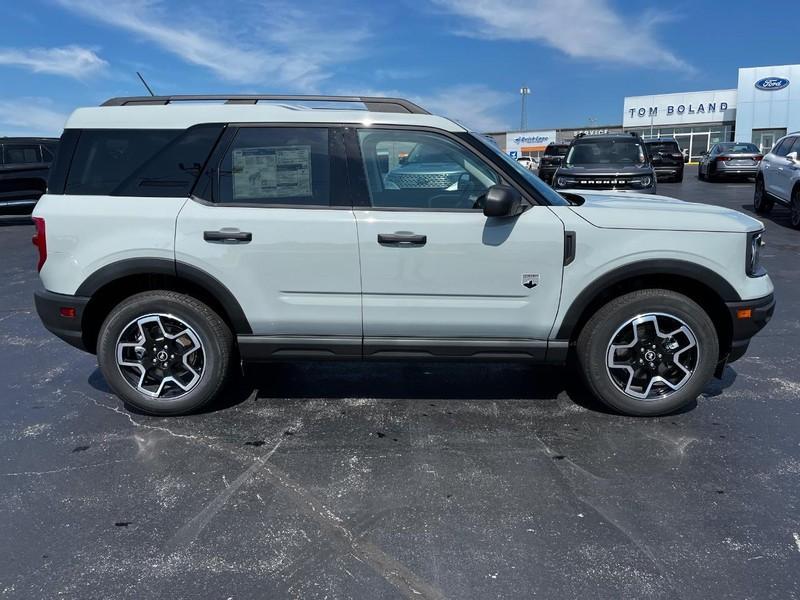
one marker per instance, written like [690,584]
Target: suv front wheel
[164,353]
[648,352]
[762,203]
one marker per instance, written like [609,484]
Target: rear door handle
[402,239]
[232,235]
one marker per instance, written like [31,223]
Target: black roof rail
[373,104]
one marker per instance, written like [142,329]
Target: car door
[274,225]
[438,277]
[777,169]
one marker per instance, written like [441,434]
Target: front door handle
[232,235]
[402,239]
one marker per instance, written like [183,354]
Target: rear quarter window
[149,163]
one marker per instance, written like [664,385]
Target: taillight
[39,240]
[724,158]
[757,158]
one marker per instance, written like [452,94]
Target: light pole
[523,117]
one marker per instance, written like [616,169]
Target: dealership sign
[679,109]
[523,142]
[770,84]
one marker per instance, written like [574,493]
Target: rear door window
[277,166]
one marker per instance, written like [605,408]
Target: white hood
[626,210]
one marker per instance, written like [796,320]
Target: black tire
[762,203]
[794,206]
[599,332]
[700,175]
[679,177]
[216,347]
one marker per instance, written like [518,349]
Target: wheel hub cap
[160,356]
[651,356]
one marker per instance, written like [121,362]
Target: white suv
[179,237]
[778,178]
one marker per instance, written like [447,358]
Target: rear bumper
[671,171]
[761,310]
[736,170]
[49,308]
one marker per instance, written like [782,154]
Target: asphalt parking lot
[400,480]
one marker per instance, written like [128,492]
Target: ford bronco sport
[178,238]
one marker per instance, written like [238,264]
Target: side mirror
[792,156]
[403,160]
[501,201]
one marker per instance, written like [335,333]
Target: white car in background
[529,162]
[778,178]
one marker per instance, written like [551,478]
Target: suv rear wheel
[648,352]
[762,203]
[164,353]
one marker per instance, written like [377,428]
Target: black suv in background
[24,167]
[550,160]
[667,158]
[618,162]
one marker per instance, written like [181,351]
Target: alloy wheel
[652,356]
[160,356]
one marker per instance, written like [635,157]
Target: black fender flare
[667,267]
[181,271]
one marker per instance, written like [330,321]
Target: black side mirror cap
[502,201]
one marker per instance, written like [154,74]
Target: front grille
[436,181]
[602,182]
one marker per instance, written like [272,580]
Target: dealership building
[764,106]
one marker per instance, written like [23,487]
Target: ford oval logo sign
[771,84]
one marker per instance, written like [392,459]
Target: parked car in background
[24,167]
[667,158]
[424,168]
[618,162]
[729,160]
[529,162]
[550,160]
[778,178]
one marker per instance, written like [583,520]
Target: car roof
[27,140]
[181,112]
[607,136]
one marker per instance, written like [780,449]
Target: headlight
[754,243]
[646,181]
[561,181]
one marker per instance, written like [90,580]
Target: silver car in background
[729,160]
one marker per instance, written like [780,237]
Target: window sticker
[271,172]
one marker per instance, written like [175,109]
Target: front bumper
[52,308]
[745,327]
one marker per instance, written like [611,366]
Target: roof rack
[373,104]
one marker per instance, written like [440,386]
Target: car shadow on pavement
[780,215]
[410,381]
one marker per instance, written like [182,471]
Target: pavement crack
[64,469]
[136,423]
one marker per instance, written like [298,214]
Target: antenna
[145,83]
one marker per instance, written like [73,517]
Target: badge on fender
[530,280]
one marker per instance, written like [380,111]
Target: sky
[465,59]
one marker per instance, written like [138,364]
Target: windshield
[549,194]
[556,150]
[606,152]
[739,148]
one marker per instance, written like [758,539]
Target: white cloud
[268,44]
[584,29]
[475,106]
[30,116]
[69,61]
